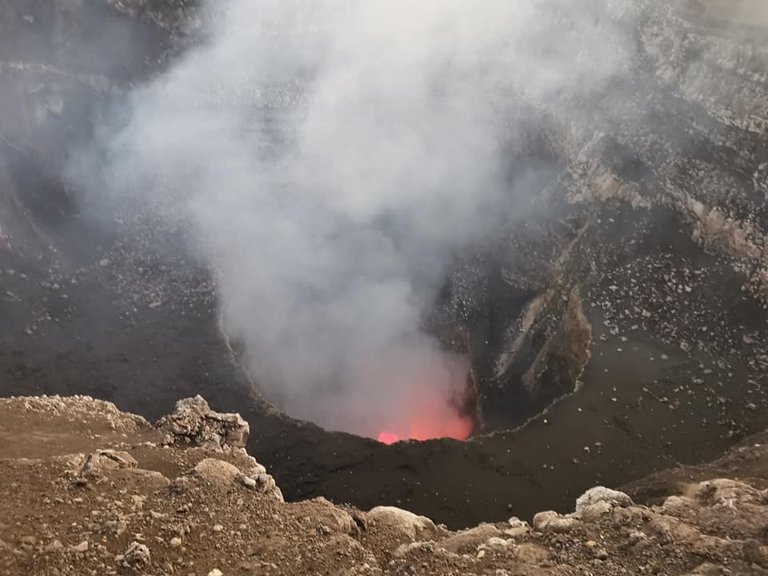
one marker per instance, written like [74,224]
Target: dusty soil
[86,489]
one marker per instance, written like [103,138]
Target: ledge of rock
[87,489]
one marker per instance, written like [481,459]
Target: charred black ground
[623,305]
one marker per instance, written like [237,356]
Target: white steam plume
[330,156]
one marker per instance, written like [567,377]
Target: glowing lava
[456,427]
[388,438]
[434,408]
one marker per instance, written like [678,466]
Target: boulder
[467,540]
[602,494]
[256,478]
[217,472]
[551,521]
[194,423]
[403,523]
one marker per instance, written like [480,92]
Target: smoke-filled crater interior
[465,258]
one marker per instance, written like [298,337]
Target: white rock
[496,542]
[550,521]
[602,494]
[248,482]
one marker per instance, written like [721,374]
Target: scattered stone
[137,556]
[531,553]
[28,541]
[248,482]
[102,462]
[517,527]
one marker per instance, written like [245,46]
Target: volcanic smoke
[327,161]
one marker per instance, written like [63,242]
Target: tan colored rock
[216,472]
[726,493]
[602,494]
[680,507]
[592,512]
[674,532]
[137,556]
[531,554]
[401,523]
[103,462]
[414,547]
[322,513]
[194,423]
[467,540]
[551,521]
[140,479]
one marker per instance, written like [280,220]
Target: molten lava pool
[388,438]
[456,427]
[429,414]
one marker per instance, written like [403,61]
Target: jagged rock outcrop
[82,514]
[193,422]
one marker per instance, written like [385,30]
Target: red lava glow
[388,438]
[430,411]
[453,426]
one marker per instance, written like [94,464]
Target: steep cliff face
[635,293]
[662,179]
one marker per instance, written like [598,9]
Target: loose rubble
[101,512]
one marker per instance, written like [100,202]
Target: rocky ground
[87,489]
